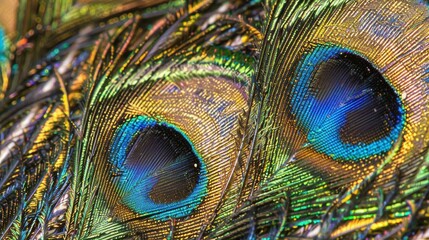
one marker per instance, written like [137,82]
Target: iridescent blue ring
[322,123]
[134,185]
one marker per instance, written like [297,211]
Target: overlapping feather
[80,72]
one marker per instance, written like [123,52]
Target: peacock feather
[215,119]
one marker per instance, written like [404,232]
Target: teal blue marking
[135,185]
[3,46]
[323,119]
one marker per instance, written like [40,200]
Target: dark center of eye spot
[373,106]
[162,153]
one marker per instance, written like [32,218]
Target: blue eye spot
[161,174]
[348,108]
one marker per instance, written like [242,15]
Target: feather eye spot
[162,175]
[349,109]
